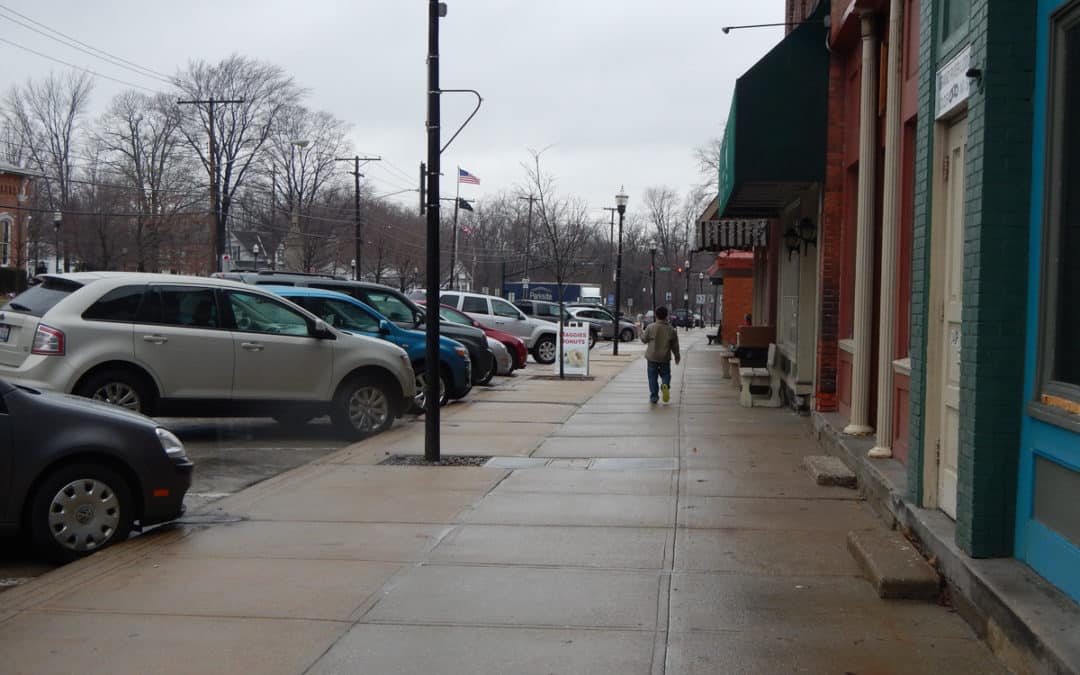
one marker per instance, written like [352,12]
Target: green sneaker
[665,392]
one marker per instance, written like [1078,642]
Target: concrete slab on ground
[892,565]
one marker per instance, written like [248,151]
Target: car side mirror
[384,326]
[322,331]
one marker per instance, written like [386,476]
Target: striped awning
[728,234]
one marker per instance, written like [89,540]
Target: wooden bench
[714,339]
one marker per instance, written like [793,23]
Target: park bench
[754,379]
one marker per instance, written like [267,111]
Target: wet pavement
[680,538]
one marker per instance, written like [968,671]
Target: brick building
[15,185]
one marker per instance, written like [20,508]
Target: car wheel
[363,407]
[79,509]
[292,418]
[420,399]
[626,335]
[118,387]
[486,377]
[544,350]
[592,339]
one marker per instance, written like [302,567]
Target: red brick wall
[738,302]
[830,244]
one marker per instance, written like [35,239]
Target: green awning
[774,141]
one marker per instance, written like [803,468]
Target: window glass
[504,308]
[39,299]
[450,315]
[119,304]
[180,306]
[475,305]
[258,314]
[389,305]
[1067,340]
[345,315]
[956,16]
[450,299]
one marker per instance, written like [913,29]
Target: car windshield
[390,306]
[39,299]
[340,313]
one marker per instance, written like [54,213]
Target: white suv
[494,312]
[170,345]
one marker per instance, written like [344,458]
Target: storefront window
[955,16]
[1061,273]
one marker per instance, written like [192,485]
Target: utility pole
[432,451]
[528,245]
[359,234]
[215,179]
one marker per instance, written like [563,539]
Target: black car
[391,303]
[77,475]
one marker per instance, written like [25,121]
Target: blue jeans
[661,370]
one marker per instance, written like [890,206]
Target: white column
[864,235]
[890,224]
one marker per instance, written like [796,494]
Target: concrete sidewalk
[681,538]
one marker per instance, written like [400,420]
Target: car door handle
[156,339]
[251,346]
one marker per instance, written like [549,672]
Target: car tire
[363,407]
[418,403]
[626,335]
[544,349]
[489,374]
[79,509]
[119,386]
[592,339]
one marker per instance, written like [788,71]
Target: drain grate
[447,460]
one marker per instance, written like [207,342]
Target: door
[178,336]
[952,172]
[477,307]
[277,358]
[510,319]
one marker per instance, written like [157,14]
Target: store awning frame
[775,137]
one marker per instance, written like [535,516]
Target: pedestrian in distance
[662,342]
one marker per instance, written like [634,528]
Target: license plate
[4,332]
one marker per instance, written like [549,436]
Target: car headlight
[405,360]
[173,446]
[461,351]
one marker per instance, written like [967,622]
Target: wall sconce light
[792,241]
[808,234]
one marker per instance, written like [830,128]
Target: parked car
[549,311]
[346,313]
[682,318]
[79,475]
[391,303]
[513,344]
[161,344]
[604,321]
[494,312]
[504,361]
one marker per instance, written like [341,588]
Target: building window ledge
[1054,415]
[847,345]
[902,366]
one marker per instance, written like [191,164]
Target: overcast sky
[622,91]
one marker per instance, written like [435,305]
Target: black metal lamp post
[652,272]
[701,295]
[620,205]
[57,219]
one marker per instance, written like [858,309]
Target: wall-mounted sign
[953,84]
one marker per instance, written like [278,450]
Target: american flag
[464,176]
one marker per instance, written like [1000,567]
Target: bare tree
[708,157]
[563,227]
[140,136]
[241,130]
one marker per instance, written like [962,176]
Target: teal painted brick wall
[920,249]
[997,169]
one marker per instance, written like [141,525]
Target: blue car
[346,313]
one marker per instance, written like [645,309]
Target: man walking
[663,343]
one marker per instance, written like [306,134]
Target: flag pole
[454,250]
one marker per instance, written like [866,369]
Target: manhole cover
[446,460]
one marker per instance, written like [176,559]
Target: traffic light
[679,270]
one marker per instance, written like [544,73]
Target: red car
[513,343]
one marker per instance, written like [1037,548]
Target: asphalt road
[229,455]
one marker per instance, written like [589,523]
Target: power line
[72,65]
[68,41]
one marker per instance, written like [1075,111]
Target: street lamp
[686,295]
[620,205]
[701,295]
[255,253]
[57,219]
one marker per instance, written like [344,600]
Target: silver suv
[494,312]
[170,345]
